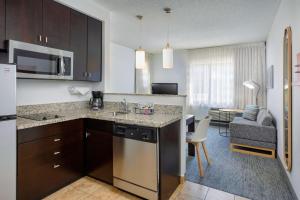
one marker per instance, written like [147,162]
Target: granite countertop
[156,120]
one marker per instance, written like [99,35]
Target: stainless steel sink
[120,113]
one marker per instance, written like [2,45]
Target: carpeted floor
[244,175]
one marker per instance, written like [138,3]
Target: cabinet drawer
[50,145]
[40,177]
[62,128]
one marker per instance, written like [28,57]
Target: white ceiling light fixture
[140,54]
[168,50]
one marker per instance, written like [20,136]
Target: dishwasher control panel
[145,134]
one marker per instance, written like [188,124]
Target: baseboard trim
[182,179]
[287,179]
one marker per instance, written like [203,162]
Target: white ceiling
[194,23]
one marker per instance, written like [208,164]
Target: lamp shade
[167,57]
[140,59]
[251,85]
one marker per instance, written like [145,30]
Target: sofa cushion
[250,112]
[251,130]
[264,118]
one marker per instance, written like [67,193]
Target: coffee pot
[96,102]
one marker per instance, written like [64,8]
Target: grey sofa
[259,134]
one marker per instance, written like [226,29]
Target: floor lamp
[252,85]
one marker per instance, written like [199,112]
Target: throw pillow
[251,112]
[264,118]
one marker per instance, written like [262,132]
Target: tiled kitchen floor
[90,189]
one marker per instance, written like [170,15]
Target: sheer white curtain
[250,64]
[216,75]
[211,77]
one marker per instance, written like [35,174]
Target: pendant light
[140,55]
[168,50]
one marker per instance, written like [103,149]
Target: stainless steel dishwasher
[135,160]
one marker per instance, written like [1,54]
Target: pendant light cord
[168,12]
[140,17]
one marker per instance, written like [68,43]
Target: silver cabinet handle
[40,38]
[87,135]
[56,139]
[56,153]
[46,39]
[56,166]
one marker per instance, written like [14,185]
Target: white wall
[288,15]
[175,75]
[31,92]
[122,60]
[45,91]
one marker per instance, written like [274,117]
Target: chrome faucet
[123,107]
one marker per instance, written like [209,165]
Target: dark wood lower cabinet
[169,159]
[52,156]
[49,157]
[99,150]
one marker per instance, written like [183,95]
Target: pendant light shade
[140,59]
[140,54]
[168,57]
[168,51]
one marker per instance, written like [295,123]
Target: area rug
[253,177]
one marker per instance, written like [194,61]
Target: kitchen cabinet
[56,24]
[169,166]
[94,52]
[48,23]
[99,150]
[49,157]
[78,44]
[24,20]
[2,24]
[38,22]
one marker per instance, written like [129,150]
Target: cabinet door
[169,166]
[99,155]
[2,23]
[94,54]
[49,157]
[56,25]
[24,20]
[78,44]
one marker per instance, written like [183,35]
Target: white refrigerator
[8,134]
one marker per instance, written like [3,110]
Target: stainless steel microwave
[39,62]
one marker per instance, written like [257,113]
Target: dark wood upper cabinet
[94,53]
[56,24]
[2,24]
[78,44]
[99,150]
[24,20]
[49,23]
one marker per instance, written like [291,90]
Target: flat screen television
[165,88]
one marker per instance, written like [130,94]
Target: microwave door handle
[62,65]
[58,66]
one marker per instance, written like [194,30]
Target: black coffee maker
[96,102]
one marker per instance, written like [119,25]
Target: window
[211,78]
